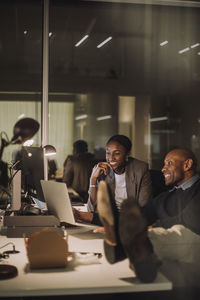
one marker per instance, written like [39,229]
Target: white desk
[77,278]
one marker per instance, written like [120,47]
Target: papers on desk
[86,258]
[39,204]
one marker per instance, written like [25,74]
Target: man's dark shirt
[177,206]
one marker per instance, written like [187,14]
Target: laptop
[58,203]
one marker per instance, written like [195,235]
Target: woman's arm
[100,168]
[86,216]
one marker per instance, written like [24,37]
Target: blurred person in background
[78,168]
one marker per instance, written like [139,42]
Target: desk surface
[86,274]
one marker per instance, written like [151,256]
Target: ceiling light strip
[195,45]
[81,117]
[184,50]
[157,119]
[104,42]
[82,40]
[164,43]
[104,118]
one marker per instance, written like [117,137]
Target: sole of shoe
[104,209]
[114,254]
[133,235]
[146,270]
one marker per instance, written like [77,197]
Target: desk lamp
[23,130]
[49,150]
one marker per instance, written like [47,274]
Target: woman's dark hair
[122,140]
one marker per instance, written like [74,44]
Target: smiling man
[181,203]
[172,243]
[179,166]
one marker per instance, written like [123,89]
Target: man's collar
[187,184]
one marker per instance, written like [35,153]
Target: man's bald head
[185,153]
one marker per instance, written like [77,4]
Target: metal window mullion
[45,82]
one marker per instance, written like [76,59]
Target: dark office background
[164,83]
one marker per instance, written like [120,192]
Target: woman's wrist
[93,181]
[93,185]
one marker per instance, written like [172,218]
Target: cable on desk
[8,271]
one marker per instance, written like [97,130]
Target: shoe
[104,209]
[108,215]
[135,241]
[126,234]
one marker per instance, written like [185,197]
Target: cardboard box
[47,249]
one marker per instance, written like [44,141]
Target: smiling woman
[126,176]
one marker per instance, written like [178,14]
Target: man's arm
[150,212]
[177,243]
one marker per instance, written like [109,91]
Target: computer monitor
[32,166]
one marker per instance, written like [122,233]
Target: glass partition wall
[20,66]
[130,68]
[114,67]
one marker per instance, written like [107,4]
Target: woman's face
[116,156]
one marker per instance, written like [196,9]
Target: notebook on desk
[58,203]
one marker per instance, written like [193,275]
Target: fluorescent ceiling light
[184,50]
[81,117]
[157,119]
[164,43]
[82,40]
[21,116]
[104,118]
[164,131]
[195,45]
[104,42]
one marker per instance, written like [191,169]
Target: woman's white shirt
[120,189]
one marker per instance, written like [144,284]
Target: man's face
[173,169]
